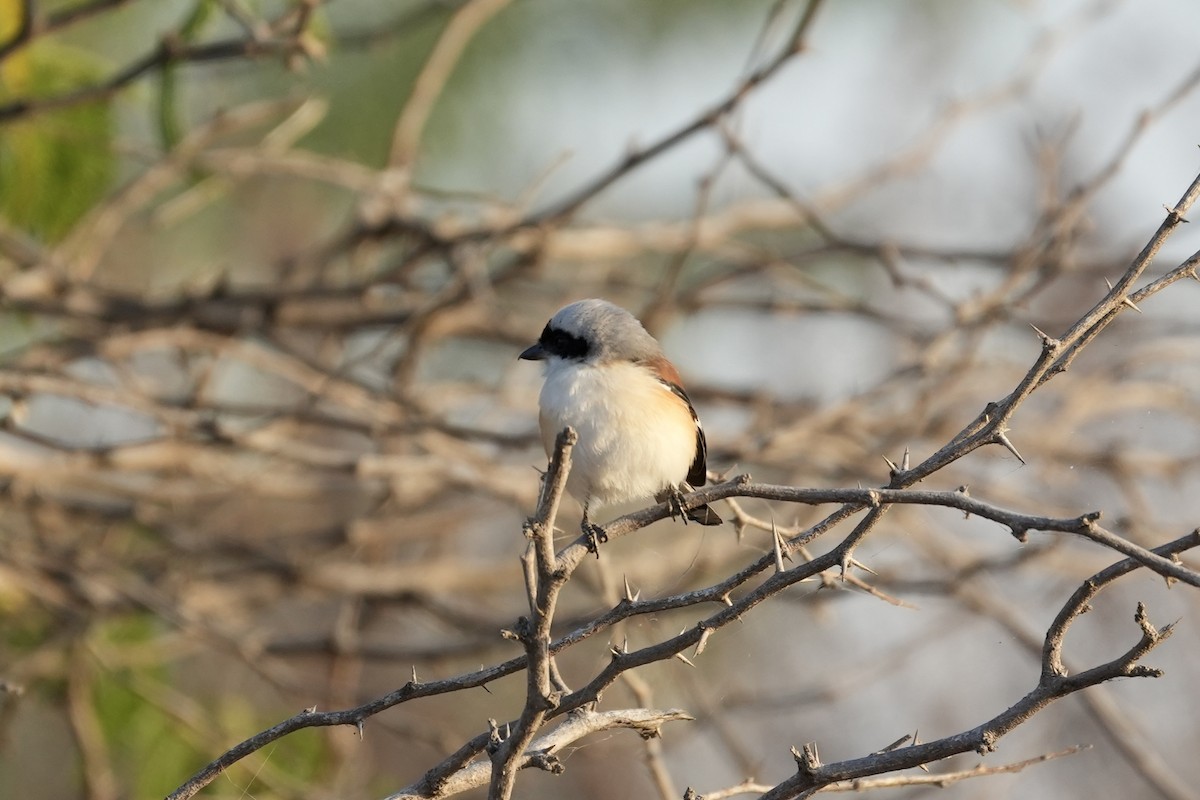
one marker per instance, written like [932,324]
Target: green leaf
[54,165]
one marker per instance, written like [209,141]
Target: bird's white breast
[636,437]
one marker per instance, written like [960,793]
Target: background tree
[265,270]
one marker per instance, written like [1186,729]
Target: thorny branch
[1052,685]
[547,573]
[376,457]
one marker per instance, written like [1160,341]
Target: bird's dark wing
[669,377]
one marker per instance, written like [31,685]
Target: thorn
[901,741]
[854,562]
[916,740]
[1002,438]
[703,643]
[726,600]
[685,660]
[1170,580]
[891,465]
[629,593]
[1124,300]
[904,461]
[359,725]
[414,674]
[778,547]
[616,651]
[1048,341]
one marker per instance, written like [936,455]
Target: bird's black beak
[534,353]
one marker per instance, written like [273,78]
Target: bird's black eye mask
[565,345]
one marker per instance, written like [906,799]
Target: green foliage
[54,165]
[142,736]
[150,730]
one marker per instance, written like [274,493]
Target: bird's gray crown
[598,331]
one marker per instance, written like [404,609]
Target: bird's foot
[674,501]
[594,535]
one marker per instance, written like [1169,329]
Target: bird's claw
[674,501]
[594,535]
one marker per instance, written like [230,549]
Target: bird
[638,433]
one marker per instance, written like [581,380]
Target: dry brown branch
[1052,686]
[259,406]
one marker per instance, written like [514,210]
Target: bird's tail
[701,514]
[673,498]
[704,515]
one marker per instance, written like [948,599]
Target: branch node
[808,760]
[495,738]
[1141,617]
[547,762]
[1139,671]
[987,743]
[530,527]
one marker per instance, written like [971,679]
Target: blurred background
[265,268]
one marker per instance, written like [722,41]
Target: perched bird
[639,436]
